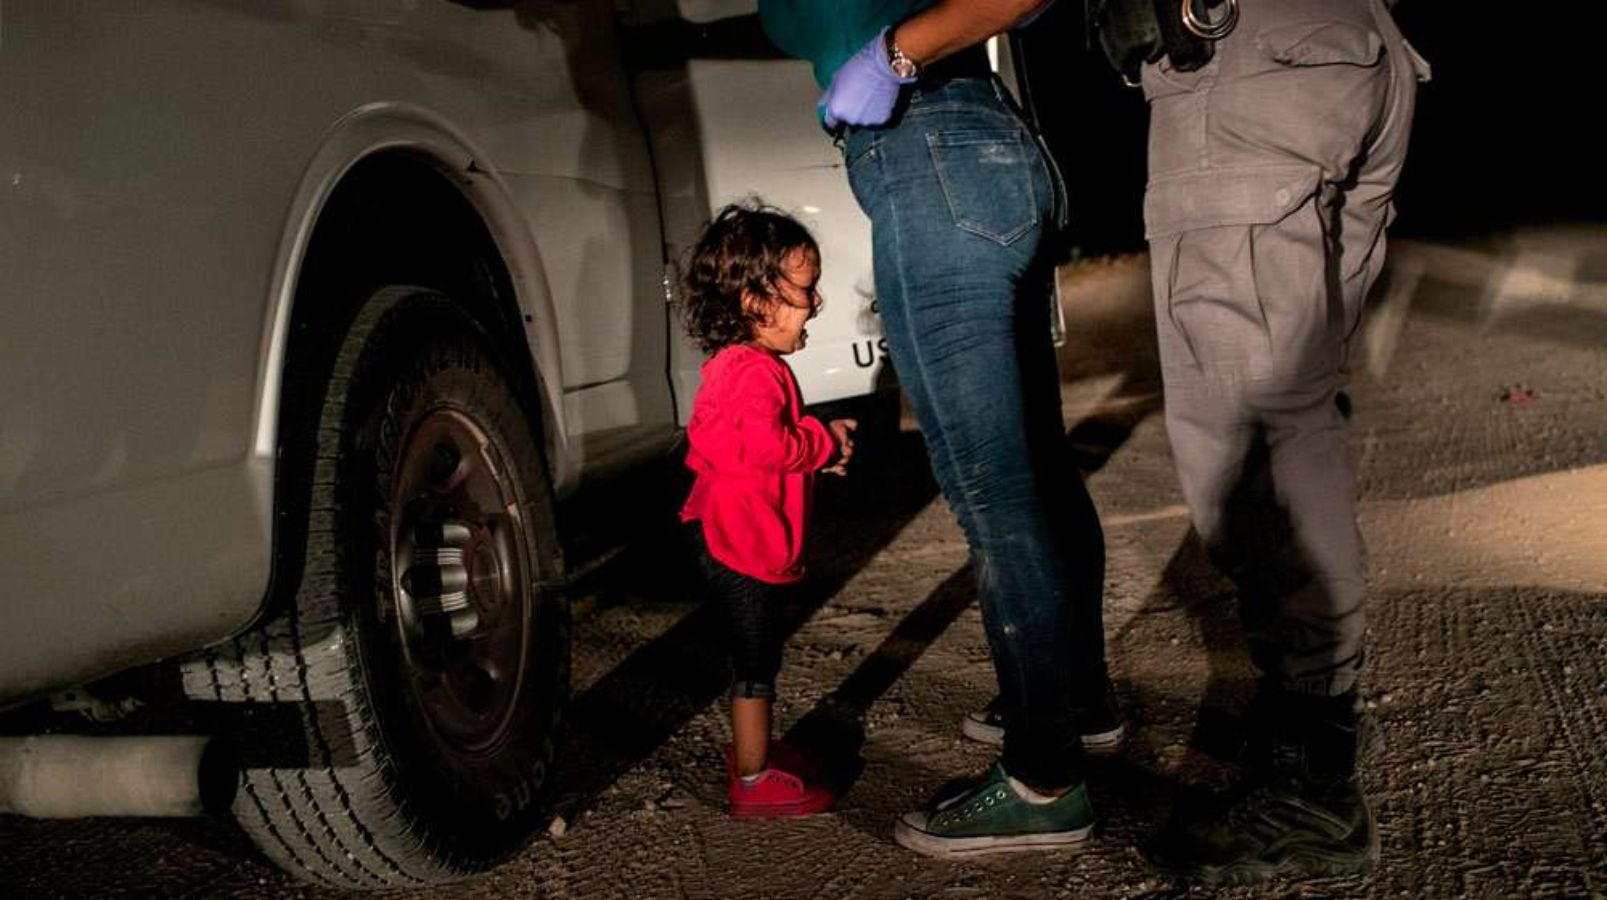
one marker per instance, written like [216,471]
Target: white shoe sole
[1099,742]
[914,838]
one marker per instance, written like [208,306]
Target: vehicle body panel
[162,169]
[162,166]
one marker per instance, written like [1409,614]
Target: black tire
[394,731]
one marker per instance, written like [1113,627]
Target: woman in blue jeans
[963,203]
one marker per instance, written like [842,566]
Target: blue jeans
[962,203]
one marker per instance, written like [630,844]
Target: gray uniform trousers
[1271,172]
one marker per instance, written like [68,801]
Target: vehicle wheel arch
[460,232]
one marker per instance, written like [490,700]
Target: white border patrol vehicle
[314,310]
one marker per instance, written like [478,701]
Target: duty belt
[1135,32]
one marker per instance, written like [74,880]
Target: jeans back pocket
[987,180]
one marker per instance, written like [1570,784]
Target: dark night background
[1506,133]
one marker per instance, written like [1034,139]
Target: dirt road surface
[1480,427]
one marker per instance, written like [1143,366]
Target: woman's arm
[953,25]
[865,89]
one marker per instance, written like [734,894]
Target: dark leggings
[751,617]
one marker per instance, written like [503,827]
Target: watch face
[902,65]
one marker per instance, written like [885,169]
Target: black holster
[1134,32]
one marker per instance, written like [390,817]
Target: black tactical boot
[1299,812]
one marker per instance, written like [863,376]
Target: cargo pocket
[987,181]
[1228,310]
[1242,195]
[1322,44]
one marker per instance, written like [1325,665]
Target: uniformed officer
[1272,169]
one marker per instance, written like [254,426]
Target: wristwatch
[902,66]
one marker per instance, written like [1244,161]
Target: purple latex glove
[864,90]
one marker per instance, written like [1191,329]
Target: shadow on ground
[634,708]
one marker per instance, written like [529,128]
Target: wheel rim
[459,567]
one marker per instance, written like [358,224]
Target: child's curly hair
[740,251]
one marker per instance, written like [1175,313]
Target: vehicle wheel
[398,712]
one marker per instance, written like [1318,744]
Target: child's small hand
[842,432]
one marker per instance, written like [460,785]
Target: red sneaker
[776,794]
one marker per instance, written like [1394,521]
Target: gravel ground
[1481,429]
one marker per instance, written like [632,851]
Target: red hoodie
[755,455]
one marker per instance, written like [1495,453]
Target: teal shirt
[827,32]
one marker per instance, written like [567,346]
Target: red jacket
[755,455]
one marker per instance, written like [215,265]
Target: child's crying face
[796,301]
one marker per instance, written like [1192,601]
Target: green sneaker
[1281,828]
[991,817]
